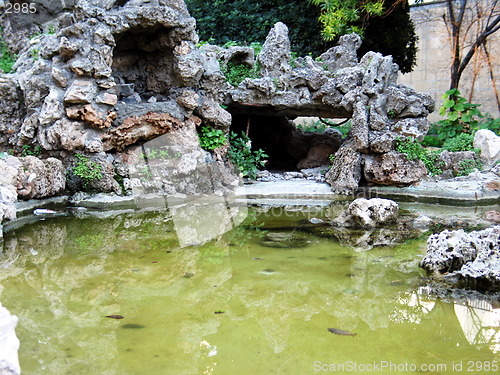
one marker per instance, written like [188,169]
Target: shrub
[211,138]
[462,142]
[467,166]
[460,116]
[7,59]
[88,171]
[431,141]
[241,154]
[235,73]
[491,124]
[414,151]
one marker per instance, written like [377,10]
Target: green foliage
[154,153]
[331,158]
[51,29]
[88,171]
[211,138]
[7,59]
[235,73]
[318,127]
[29,150]
[312,126]
[385,26]
[391,113]
[221,21]
[241,154]
[460,116]
[35,53]
[431,141]
[340,17]
[467,166]
[414,150]
[491,124]
[462,142]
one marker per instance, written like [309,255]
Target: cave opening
[292,143]
[143,64]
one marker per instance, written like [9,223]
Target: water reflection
[479,320]
[232,305]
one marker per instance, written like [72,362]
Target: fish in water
[114,316]
[341,332]
[133,326]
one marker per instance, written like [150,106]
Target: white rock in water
[43,211]
[9,343]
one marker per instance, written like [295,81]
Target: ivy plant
[211,138]
[414,151]
[88,171]
[247,161]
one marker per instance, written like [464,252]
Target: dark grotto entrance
[143,63]
[289,148]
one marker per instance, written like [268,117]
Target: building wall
[432,73]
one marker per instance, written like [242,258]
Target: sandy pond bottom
[258,300]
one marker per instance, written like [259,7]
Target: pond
[258,299]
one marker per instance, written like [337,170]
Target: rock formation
[368,213]
[465,260]
[104,78]
[338,86]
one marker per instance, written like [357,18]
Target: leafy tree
[222,21]
[385,26]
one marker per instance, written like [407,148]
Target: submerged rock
[465,260]
[368,213]
[284,240]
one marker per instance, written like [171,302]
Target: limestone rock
[345,172]
[275,55]
[393,168]
[9,343]
[368,213]
[48,177]
[465,260]
[344,54]
[450,161]
[489,145]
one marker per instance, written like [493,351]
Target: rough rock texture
[449,162]
[338,87]
[368,213]
[110,76]
[26,178]
[489,145]
[393,168]
[9,344]
[465,260]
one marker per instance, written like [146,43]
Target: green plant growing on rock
[7,59]
[468,166]
[211,138]
[462,142]
[247,161]
[414,151]
[29,150]
[88,171]
[236,72]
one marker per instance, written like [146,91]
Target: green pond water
[257,300]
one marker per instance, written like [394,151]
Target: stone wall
[432,73]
